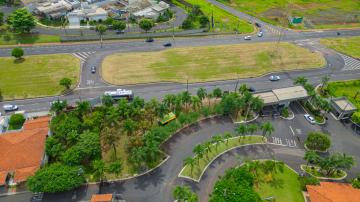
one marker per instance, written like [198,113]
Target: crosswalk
[83,55]
[286,142]
[350,63]
[272,30]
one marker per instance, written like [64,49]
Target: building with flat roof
[153,11]
[342,108]
[23,152]
[282,96]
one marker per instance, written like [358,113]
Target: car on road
[120,32]
[257,24]
[260,34]
[167,44]
[93,69]
[274,78]
[247,37]
[251,89]
[309,118]
[56,101]
[149,40]
[10,107]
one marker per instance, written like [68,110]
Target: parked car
[251,89]
[55,101]
[10,107]
[149,40]
[260,34]
[274,78]
[257,24]
[310,118]
[167,44]
[93,69]
[120,32]
[247,37]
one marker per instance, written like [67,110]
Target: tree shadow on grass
[277,183]
[19,60]
[26,38]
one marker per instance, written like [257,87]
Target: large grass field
[216,149]
[13,39]
[349,46]
[285,187]
[207,63]
[36,75]
[224,21]
[317,13]
[346,88]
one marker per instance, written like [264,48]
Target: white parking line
[292,131]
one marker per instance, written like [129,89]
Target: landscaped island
[208,64]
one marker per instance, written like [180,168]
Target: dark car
[167,44]
[149,40]
[257,24]
[251,89]
[93,69]
[120,32]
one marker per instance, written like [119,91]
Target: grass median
[349,46]
[207,63]
[13,39]
[196,171]
[36,75]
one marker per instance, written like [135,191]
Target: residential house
[333,192]
[153,11]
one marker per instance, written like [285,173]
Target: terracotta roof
[3,175]
[333,192]
[101,198]
[22,152]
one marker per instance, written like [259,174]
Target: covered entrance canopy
[282,96]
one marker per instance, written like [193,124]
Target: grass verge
[216,149]
[13,39]
[37,75]
[284,187]
[349,46]
[210,63]
[349,89]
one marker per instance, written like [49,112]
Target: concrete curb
[319,151]
[289,118]
[324,178]
[218,155]
[248,121]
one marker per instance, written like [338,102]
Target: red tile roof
[101,198]
[333,192]
[22,152]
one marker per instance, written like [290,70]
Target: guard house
[276,99]
[342,108]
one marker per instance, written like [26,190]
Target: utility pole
[187,84]
[237,82]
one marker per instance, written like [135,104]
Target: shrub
[285,112]
[17,53]
[356,182]
[318,141]
[308,180]
[187,24]
[16,121]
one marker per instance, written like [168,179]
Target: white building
[86,13]
[153,11]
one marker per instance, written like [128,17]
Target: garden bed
[315,172]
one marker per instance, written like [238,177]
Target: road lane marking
[292,131]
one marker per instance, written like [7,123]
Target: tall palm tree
[129,126]
[83,107]
[324,81]
[243,89]
[257,104]
[208,146]
[227,136]
[201,93]
[267,129]
[101,29]
[115,167]
[111,116]
[186,98]
[199,151]
[99,169]
[301,80]
[109,137]
[138,156]
[170,101]
[188,161]
[184,194]
[195,102]
[254,167]
[252,128]
[151,108]
[241,130]
[311,157]
[216,139]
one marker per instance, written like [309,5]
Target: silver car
[10,107]
[274,78]
[310,118]
[247,38]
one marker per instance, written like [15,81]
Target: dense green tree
[146,24]
[356,117]
[58,106]
[308,180]
[170,101]
[301,80]
[21,20]
[267,129]
[216,139]
[217,92]
[252,128]
[318,141]
[54,148]
[118,25]
[66,82]
[187,23]
[107,100]
[109,21]
[17,53]
[101,29]
[83,107]
[184,194]
[204,21]
[56,178]
[201,93]
[1,18]
[17,121]
[195,102]
[115,167]
[356,182]
[243,89]
[129,127]
[99,169]
[186,98]
[63,124]
[330,164]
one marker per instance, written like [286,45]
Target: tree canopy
[17,53]
[318,141]
[146,24]
[21,20]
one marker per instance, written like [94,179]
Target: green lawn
[198,168]
[13,39]
[224,21]
[320,13]
[36,75]
[347,89]
[210,63]
[349,46]
[285,187]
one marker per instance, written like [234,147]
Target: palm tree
[254,167]
[99,169]
[83,107]
[58,106]
[267,129]
[252,128]
[151,108]
[111,117]
[184,194]
[324,81]
[196,102]
[188,161]
[311,157]
[115,167]
[129,126]
[101,29]
[208,146]
[199,151]
[301,80]
[186,98]
[227,136]
[243,89]
[257,104]
[138,156]
[110,137]
[216,139]
[241,130]
[201,93]
[170,101]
